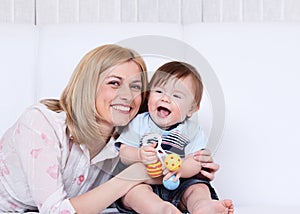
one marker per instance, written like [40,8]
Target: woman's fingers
[203,156]
[208,170]
[211,166]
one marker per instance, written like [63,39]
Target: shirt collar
[108,152]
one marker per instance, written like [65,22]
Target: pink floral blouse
[40,167]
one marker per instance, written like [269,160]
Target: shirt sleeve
[38,149]
[198,140]
[132,133]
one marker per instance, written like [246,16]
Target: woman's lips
[123,108]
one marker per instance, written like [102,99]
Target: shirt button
[81,178]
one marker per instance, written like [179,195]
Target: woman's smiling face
[119,96]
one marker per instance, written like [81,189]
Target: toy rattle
[170,184]
[171,161]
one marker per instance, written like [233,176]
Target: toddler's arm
[144,154]
[190,167]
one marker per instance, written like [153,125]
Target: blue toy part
[170,184]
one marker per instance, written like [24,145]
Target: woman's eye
[114,83]
[158,91]
[136,86]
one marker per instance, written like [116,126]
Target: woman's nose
[125,93]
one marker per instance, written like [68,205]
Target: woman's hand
[208,168]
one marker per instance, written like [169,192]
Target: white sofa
[256,67]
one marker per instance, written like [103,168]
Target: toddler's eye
[177,96]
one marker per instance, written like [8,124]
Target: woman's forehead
[126,70]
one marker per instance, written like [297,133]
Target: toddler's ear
[193,109]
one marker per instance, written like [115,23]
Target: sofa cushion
[258,68]
[18,49]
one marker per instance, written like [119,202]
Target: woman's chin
[121,122]
[122,119]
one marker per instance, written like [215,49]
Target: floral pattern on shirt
[39,163]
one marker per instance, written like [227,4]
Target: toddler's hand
[147,154]
[168,174]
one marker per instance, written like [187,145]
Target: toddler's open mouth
[163,112]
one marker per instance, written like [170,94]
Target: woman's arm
[38,150]
[105,194]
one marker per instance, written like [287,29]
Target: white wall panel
[129,10]
[169,11]
[47,12]
[24,11]
[292,10]
[191,11]
[109,11]
[252,10]
[211,10]
[148,10]
[68,11]
[6,11]
[231,10]
[88,11]
[272,10]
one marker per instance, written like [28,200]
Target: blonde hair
[78,98]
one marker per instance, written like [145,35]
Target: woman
[59,156]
